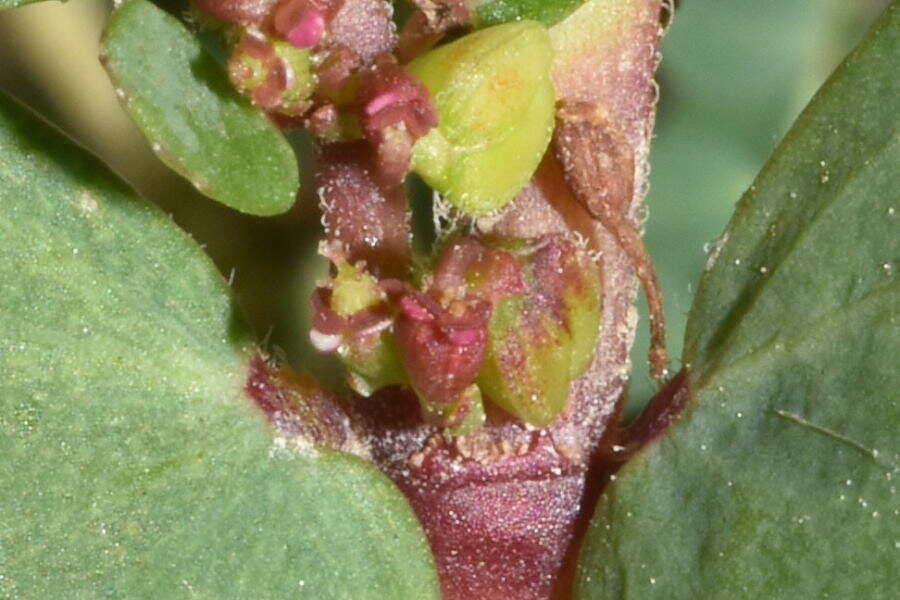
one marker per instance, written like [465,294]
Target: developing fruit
[495,105]
[542,339]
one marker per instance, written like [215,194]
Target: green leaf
[182,101]
[548,12]
[779,481]
[132,465]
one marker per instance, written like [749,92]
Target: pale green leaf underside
[779,481]
[131,463]
[180,98]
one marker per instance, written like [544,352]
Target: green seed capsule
[373,363]
[527,363]
[495,103]
[539,341]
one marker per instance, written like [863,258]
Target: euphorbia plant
[151,448]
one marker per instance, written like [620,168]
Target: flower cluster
[503,322]
[512,322]
[473,116]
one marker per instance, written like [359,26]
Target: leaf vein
[870,452]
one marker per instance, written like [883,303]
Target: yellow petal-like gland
[353,290]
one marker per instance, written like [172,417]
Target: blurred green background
[735,73]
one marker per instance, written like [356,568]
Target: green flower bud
[581,293]
[274,74]
[301,82]
[528,361]
[495,103]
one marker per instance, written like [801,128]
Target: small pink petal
[379,102]
[376,327]
[464,337]
[415,309]
[308,30]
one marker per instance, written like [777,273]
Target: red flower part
[255,69]
[441,349]
[414,307]
[464,323]
[308,30]
[388,96]
[329,330]
[394,111]
[324,319]
[395,289]
[302,22]
[469,264]
[326,332]
[464,337]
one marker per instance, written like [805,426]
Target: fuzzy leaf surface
[131,462]
[779,481]
[182,101]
